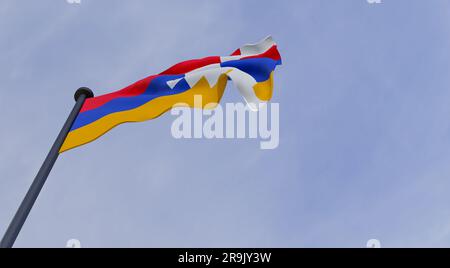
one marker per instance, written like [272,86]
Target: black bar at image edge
[226,257]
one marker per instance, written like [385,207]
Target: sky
[364,125]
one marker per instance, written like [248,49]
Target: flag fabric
[250,68]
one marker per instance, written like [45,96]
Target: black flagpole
[22,212]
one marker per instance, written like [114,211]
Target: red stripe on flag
[130,91]
[237,52]
[189,65]
[270,53]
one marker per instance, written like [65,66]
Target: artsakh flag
[250,68]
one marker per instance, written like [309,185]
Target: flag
[250,68]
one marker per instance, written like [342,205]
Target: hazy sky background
[364,151]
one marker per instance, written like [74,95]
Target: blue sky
[364,128]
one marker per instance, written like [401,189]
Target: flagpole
[25,207]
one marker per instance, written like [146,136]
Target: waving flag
[250,68]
